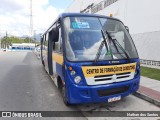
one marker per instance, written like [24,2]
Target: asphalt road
[25,86]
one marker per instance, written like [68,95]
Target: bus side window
[46,41]
[43,41]
[53,46]
[57,46]
[60,39]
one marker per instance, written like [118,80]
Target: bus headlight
[73,72]
[77,79]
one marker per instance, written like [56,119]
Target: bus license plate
[114,99]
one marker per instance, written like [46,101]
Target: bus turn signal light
[70,68]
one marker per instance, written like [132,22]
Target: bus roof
[82,14]
[63,15]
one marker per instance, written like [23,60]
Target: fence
[150,62]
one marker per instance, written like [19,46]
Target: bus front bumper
[101,93]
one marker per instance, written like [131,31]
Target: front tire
[64,95]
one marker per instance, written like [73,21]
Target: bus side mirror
[127,28]
[55,34]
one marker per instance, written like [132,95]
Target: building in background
[141,16]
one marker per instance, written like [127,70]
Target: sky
[15,15]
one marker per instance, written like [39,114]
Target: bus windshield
[83,38]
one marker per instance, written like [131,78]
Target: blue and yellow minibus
[91,58]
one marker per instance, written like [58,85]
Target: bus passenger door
[57,52]
[52,41]
[58,55]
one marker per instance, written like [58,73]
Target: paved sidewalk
[150,83]
[149,90]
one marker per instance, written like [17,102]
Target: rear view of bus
[100,60]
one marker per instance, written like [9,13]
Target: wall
[141,16]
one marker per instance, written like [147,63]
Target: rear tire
[43,63]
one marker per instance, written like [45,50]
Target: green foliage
[7,41]
[150,73]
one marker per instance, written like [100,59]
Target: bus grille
[111,77]
[107,79]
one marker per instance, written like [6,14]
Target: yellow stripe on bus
[91,71]
[57,58]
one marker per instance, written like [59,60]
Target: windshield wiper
[101,47]
[116,42]
[104,42]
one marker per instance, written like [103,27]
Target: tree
[8,41]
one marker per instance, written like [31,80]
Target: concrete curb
[147,98]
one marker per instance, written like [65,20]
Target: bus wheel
[64,96]
[43,63]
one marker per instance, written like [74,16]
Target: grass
[150,73]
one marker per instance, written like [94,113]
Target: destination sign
[90,71]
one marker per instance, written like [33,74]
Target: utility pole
[35,37]
[31,21]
